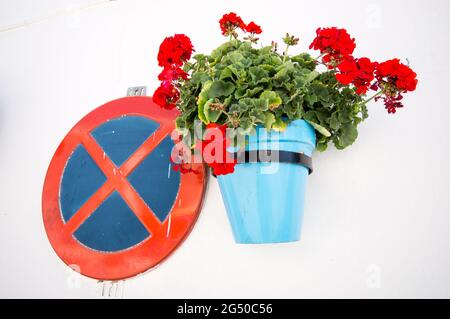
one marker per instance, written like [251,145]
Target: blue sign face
[111,202]
[113,226]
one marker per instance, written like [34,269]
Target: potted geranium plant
[255,115]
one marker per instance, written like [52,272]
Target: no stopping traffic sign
[111,202]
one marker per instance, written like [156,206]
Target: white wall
[379,209]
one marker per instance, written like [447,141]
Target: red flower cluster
[397,74]
[391,102]
[394,78]
[173,53]
[175,50]
[231,21]
[213,148]
[171,73]
[166,95]
[252,27]
[336,44]
[359,72]
[181,156]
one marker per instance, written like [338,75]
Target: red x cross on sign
[165,235]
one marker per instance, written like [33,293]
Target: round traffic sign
[112,204]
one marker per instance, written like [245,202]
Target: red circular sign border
[160,245]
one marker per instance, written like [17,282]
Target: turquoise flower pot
[264,201]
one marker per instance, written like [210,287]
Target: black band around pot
[262,156]
[269,156]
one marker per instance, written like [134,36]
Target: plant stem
[317,59]
[370,99]
[285,53]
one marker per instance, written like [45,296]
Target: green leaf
[305,61]
[322,130]
[258,75]
[284,69]
[348,135]
[201,114]
[235,57]
[269,120]
[211,115]
[180,122]
[203,96]
[311,99]
[269,68]
[294,109]
[245,104]
[218,53]
[335,124]
[321,147]
[227,101]
[320,90]
[253,92]
[260,104]
[238,59]
[279,125]
[345,114]
[235,108]
[272,98]
[241,93]
[257,116]
[247,125]
[364,111]
[199,57]
[226,74]
[323,115]
[322,143]
[199,77]
[220,88]
[202,99]
[312,76]
[265,50]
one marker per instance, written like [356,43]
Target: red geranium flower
[184,168]
[359,72]
[213,148]
[391,102]
[223,168]
[394,78]
[252,27]
[175,50]
[181,157]
[348,71]
[366,69]
[172,73]
[166,95]
[230,22]
[397,74]
[335,43]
